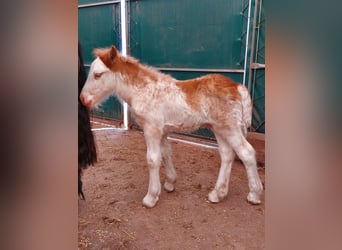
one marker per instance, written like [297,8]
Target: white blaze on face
[95,87]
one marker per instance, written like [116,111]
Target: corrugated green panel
[97,27]
[193,33]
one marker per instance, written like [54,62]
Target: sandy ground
[113,217]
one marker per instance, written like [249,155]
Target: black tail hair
[87,154]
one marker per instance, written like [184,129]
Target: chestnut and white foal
[162,104]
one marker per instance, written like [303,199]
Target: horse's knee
[153,159]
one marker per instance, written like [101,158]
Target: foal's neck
[142,75]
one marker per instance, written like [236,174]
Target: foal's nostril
[82,98]
[85,101]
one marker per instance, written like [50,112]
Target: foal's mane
[103,52]
[129,64]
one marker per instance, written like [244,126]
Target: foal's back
[213,95]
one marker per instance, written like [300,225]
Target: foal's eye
[97,75]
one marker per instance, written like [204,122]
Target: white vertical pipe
[124,52]
[251,58]
[247,40]
[123,28]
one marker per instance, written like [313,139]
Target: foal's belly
[186,125]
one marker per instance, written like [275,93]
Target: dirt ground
[113,217]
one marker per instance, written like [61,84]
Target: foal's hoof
[169,187]
[253,198]
[213,197]
[150,201]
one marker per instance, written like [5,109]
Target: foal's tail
[246,107]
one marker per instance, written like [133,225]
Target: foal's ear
[113,53]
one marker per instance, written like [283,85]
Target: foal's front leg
[153,141]
[170,171]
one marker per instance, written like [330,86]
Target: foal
[162,104]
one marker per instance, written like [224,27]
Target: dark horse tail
[86,145]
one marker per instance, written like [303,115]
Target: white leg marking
[246,153]
[170,171]
[222,184]
[153,140]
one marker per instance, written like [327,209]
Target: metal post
[251,59]
[248,49]
[124,52]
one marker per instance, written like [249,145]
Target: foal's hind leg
[246,154]
[170,171]
[227,157]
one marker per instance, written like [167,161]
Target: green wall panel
[96,29]
[98,26]
[258,75]
[193,33]
[258,119]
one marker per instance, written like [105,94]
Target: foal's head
[104,76]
